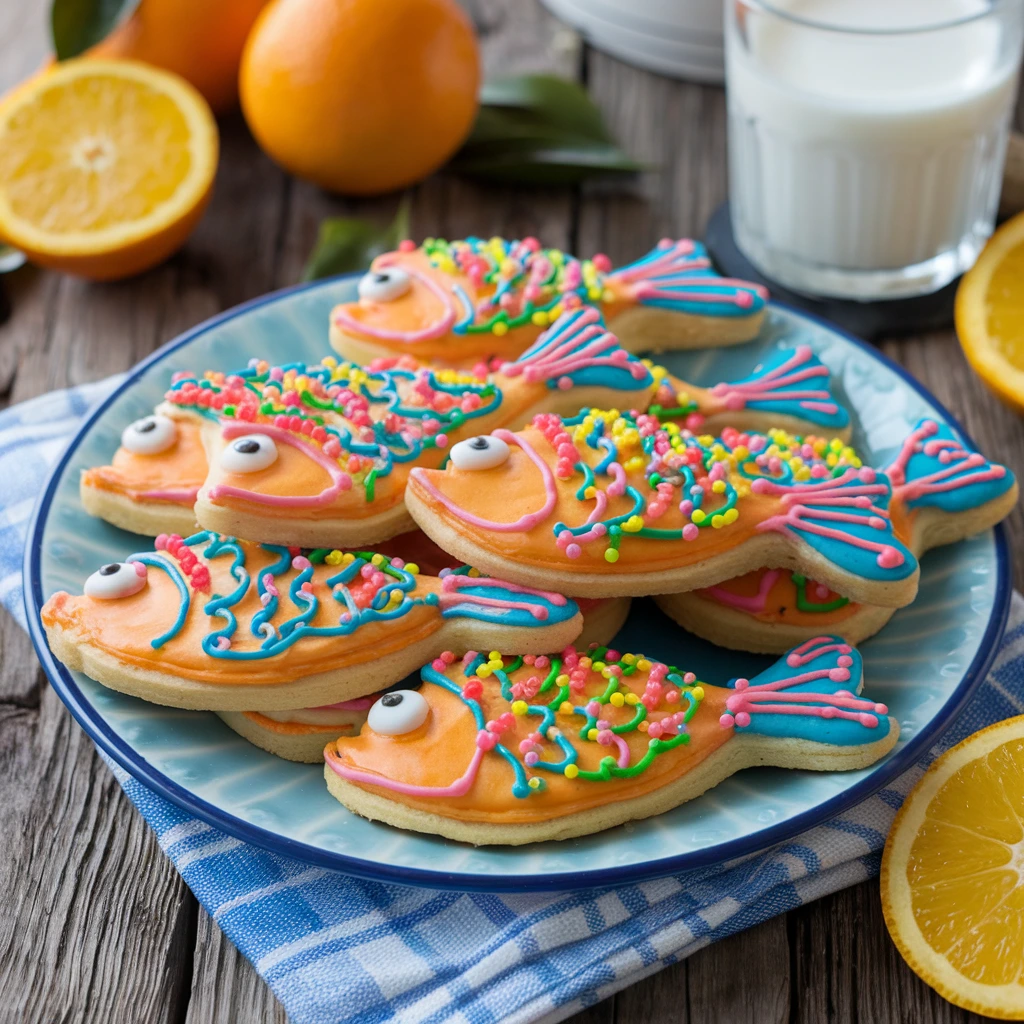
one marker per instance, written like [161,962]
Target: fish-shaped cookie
[608,503]
[462,301]
[320,455]
[943,490]
[505,750]
[213,623]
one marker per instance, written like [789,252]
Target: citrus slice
[953,874]
[105,166]
[990,313]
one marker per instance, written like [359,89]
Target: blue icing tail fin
[491,600]
[810,693]
[790,382]
[844,518]
[936,468]
[677,275]
[577,349]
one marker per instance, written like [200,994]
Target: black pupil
[390,700]
[480,444]
[110,568]
[145,426]
[381,278]
[247,447]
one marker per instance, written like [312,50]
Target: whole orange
[201,40]
[361,96]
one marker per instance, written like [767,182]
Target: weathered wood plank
[95,924]
[225,986]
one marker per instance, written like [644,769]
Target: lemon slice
[990,313]
[105,166]
[953,874]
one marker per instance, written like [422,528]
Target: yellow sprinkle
[484,671]
[565,708]
[540,318]
[500,328]
[555,312]
[643,664]
[571,771]
[633,524]
[731,516]
[594,294]
[591,735]
[474,573]
[803,473]
[611,555]
[597,666]
[590,492]
[698,692]
[330,362]
[742,452]
[835,444]
[717,522]
[706,440]
[562,680]
[349,558]
[333,557]
[377,560]
[494,656]
[632,699]
[412,568]
[660,373]
[585,663]
[534,783]
[617,699]
[718,487]
[629,659]
[697,516]
[520,707]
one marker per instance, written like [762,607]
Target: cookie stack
[472,494]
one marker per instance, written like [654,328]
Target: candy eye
[149,436]
[116,579]
[483,452]
[249,454]
[384,285]
[398,712]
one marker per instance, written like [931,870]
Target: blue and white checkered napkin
[335,948]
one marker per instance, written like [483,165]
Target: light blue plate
[924,664]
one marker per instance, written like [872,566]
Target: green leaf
[539,130]
[78,24]
[556,102]
[345,244]
[565,165]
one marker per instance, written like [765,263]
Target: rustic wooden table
[95,924]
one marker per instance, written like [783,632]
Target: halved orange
[953,873]
[105,166]
[990,313]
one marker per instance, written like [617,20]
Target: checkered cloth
[335,948]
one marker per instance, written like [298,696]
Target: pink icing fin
[755,603]
[777,385]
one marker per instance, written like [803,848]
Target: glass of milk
[867,138]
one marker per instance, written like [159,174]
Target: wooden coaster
[871,320]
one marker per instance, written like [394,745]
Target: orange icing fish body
[211,611]
[462,301]
[501,741]
[604,501]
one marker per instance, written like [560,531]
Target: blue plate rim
[129,759]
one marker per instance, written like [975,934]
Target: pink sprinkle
[161,542]
[726,721]
[140,569]
[691,531]
[406,245]
[743,719]
[300,562]
[573,551]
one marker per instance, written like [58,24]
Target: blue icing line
[466,608]
[921,465]
[796,407]
[851,557]
[703,280]
[576,330]
[842,732]
[178,580]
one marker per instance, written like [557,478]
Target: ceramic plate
[924,664]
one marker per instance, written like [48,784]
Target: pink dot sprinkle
[691,531]
[742,719]
[300,562]
[574,551]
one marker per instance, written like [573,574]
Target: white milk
[854,153]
